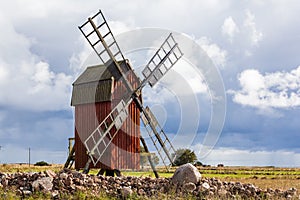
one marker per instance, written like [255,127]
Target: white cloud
[217,54]
[270,90]
[26,81]
[4,73]
[242,33]
[118,27]
[84,56]
[182,81]
[190,75]
[255,35]
[230,28]
[78,60]
[251,80]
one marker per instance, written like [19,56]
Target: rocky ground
[67,181]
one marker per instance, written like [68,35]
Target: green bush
[41,163]
[184,156]
[198,163]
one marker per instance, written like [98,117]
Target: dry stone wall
[69,182]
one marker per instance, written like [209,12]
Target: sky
[253,47]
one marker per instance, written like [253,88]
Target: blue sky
[253,44]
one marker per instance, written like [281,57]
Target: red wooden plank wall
[123,153]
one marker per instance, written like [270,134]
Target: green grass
[147,174]
[230,172]
[84,195]
[12,195]
[251,172]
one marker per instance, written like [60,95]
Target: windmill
[98,142]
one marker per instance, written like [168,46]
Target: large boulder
[186,173]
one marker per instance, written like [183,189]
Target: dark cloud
[42,130]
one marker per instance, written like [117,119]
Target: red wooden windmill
[108,105]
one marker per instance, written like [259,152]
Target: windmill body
[95,93]
[108,104]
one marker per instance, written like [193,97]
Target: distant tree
[143,157]
[42,163]
[154,158]
[184,156]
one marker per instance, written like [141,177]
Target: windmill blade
[97,143]
[162,61]
[166,150]
[99,35]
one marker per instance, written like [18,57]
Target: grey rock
[19,192]
[292,191]
[248,192]
[68,181]
[80,188]
[141,192]
[50,173]
[213,188]
[55,194]
[26,192]
[270,190]
[222,192]
[268,195]
[63,176]
[189,187]
[44,183]
[186,173]
[289,196]
[126,192]
[205,186]
[4,182]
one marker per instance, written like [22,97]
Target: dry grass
[283,184]
[263,177]
[265,183]
[12,168]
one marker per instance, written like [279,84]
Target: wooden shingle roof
[95,84]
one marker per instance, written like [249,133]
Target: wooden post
[0,149]
[29,156]
[70,144]
[149,157]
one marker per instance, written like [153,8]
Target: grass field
[263,177]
